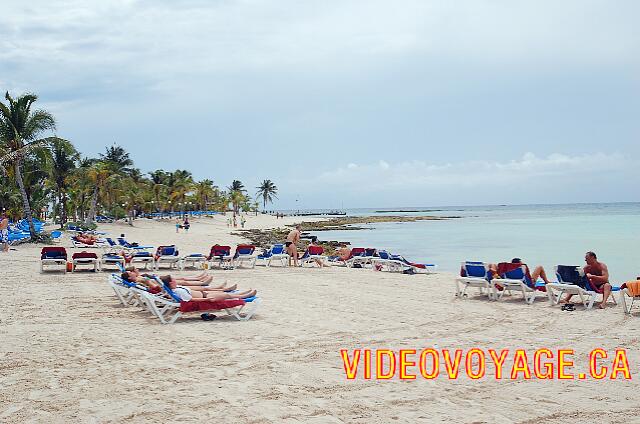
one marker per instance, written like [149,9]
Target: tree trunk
[25,200]
[94,206]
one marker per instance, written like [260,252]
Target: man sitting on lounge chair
[342,254]
[538,271]
[192,294]
[598,275]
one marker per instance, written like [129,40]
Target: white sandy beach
[71,353]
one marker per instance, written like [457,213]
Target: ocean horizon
[540,234]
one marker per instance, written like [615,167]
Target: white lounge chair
[571,280]
[515,278]
[476,275]
[169,309]
[167,255]
[85,258]
[53,256]
[628,293]
[144,258]
[193,260]
[245,253]
[313,255]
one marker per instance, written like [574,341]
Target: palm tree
[118,159]
[20,128]
[64,159]
[205,191]
[267,190]
[99,174]
[236,195]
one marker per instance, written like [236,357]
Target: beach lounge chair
[85,258]
[416,267]
[630,289]
[112,259]
[53,256]
[167,255]
[133,246]
[220,256]
[313,254]
[193,260]
[168,310]
[477,275]
[571,280]
[355,252]
[142,257]
[384,262]
[128,293]
[75,242]
[362,259]
[245,253]
[514,277]
[278,253]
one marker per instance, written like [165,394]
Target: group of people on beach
[184,225]
[196,288]
[595,272]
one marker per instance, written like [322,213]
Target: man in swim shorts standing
[292,239]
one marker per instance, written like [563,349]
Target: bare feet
[602,306]
[230,288]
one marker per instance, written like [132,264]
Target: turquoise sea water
[545,235]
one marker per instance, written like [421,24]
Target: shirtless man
[4,232]
[342,254]
[292,249]
[598,275]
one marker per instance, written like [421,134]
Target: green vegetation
[42,174]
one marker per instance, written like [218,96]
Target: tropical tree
[237,195]
[64,160]
[118,159]
[20,128]
[99,173]
[267,190]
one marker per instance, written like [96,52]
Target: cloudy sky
[356,103]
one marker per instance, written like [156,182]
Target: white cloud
[418,178]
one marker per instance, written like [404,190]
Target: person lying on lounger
[537,272]
[193,294]
[598,275]
[149,281]
[202,279]
[88,239]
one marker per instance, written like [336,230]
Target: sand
[71,353]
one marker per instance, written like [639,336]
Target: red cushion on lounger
[84,255]
[210,305]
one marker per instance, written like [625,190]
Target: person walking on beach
[186,225]
[4,232]
[243,220]
[292,249]
[178,225]
[598,275]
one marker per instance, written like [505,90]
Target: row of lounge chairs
[167,306]
[222,257]
[515,278]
